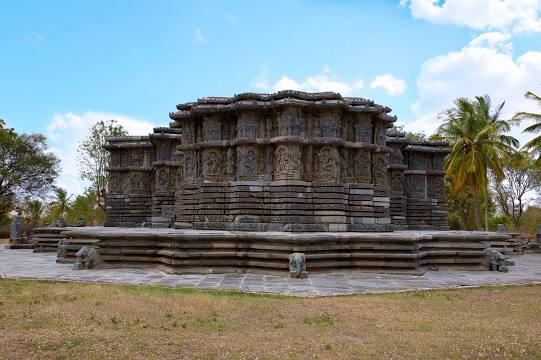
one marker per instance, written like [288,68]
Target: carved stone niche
[397,181]
[380,169]
[162,179]
[163,152]
[115,159]
[114,183]
[287,162]
[438,161]
[247,162]
[326,164]
[436,188]
[231,163]
[380,134]
[137,157]
[419,161]
[290,122]
[212,129]
[363,166]
[137,183]
[397,158]
[328,127]
[347,165]
[363,130]
[212,164]
[247,126]
[188,167]
[417,186]
[188,132]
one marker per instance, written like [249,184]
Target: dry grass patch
[4,241]
[66,320]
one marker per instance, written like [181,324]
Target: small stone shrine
[289,161]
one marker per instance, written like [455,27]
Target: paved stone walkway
[24,264]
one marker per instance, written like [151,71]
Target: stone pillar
[539,233]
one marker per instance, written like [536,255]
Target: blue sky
[65,65]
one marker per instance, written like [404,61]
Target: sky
[66,65]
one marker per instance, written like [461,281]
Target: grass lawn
[67,320]
[4,241]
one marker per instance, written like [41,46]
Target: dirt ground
[87,321]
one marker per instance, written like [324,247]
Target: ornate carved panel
[326,166]
[247,126]
[212,163]
[162,179]
[417,185]
[115,183]
[397,181]
[287,162]
[436,187]
[328,128]
[212,129]
[362,165]
[380,169]
[247,163]
[396,156]
[289,123]
[363,131]
[380,134]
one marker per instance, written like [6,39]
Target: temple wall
[289,161]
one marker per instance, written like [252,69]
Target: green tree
[479,144]
[534,145]
[61,200]
[94,159]
[27,168]
[86,206]
[521,177]
[34,210]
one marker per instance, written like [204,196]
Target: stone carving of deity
[162,180]
[380,169]
[189,167]
[380,135]
[326,164]
[137,158]
[287,160]
[231,163]
[289,123]
[417,184]
[396,156]
[362,165]
[247,163]
[212,164]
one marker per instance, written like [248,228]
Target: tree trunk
[476,205]
[486,208]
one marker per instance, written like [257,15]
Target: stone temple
[288,182]
[290,161]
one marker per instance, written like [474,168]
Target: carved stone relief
[287,162]
[362,165]
[328,128]
[326,164]
[380,169]
[162,180]
[247,163]
[397,181]
[212,129]
[363,131]
[247,126]
[436,187]
[211,163]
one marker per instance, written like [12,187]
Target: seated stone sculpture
[496,261]
[297,266]
[88,257]
[80,222]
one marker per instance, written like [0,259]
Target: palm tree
[35,208]
[61,199]
[479,144]
[534,145]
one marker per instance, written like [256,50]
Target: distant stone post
[539,233]
[501,228]
[15,234]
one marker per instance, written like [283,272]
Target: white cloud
[231,18]
[198,36]
[482,67]
[66,131]
[393,86]
[314,83]
[514,15]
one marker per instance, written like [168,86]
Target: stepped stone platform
[23,264]
[215,251]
